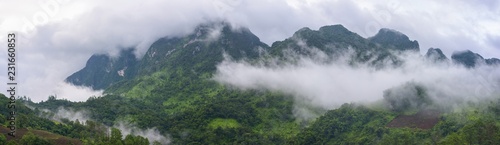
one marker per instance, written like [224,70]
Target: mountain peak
[200,51]
[467,58]
[207,41]
[101,70]
[399,41]
[326,32]
[435,54]
[210,29]
[392,31]
[334,29]
[330,39]
[493,61]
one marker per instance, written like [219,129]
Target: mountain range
[170,92]
[202,50]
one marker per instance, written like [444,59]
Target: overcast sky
[56,37]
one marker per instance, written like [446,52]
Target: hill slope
[171,89]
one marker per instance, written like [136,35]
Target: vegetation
[170,89]
[352,124]
[31,139]
[102,70]
[409,97]
[349,124]
[3,140]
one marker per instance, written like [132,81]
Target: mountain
[467,58]
[470,59]
[171,90]
[202,49]
[196,53]
[396,40]
[492,61]
[199,52]
[435,55]
[102,71]
[332,39]
[336,40]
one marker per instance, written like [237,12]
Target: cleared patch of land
[425,119]
[54,138]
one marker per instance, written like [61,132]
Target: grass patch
[223,123]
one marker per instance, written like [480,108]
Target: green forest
[177,96]
[247,121]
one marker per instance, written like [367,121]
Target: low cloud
[60,90]
[63,34]
[152,134]
[64,113]
[332,83]
[126,128]
[70,114]
[75,93]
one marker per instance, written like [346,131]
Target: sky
[56,37]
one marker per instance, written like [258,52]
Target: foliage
[116,137]
[12,142]
[103,70]
[477,132]
[170,89]
[408,97]
[135,140]
[349,124]
[31,139]
[223,123]
[3,139]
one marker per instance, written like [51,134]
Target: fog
[329,84]
[126,128]
[56,37]
[152,134]
[71,114]
[67,91]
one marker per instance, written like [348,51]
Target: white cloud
[328,85]
[64,113]
[152,134]
[70,114]
[75,93]
[66,32]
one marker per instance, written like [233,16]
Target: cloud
[152,134]
[70,114]
[56,37]
[75,93]
[328,84]
[64,113]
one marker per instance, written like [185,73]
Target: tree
[481,132]
[129,140]
[453,138]
[31,139]
[400,136]
[2,119]
[3,140]
[12,142]
[407,97]
[156,143]
[135,140]
[116,136]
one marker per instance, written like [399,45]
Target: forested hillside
[171,91]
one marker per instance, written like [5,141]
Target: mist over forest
[260,72]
